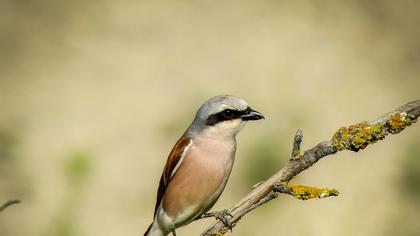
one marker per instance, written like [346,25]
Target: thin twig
[296,154]
[9,203]
[355,137]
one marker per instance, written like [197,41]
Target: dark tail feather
[148,229]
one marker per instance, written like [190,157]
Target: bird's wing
[172,164]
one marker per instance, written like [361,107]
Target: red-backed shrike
[199,164]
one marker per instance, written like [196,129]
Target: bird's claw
[223,216]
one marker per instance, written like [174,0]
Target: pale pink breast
[200,178]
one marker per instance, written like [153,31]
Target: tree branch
[9,203]
[354,137]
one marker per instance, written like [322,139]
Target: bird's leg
[173,231]
[206,215]
[219,215]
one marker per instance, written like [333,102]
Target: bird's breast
[201,177]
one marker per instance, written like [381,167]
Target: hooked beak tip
[252,115]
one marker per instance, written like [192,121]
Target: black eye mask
[227,114]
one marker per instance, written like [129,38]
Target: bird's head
[222,115]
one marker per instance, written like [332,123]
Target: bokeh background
[93,94]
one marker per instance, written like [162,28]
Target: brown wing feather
[174,157]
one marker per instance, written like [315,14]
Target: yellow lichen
[357,137]
[340,138]
[398,122]
[306,192]
[221,232]
[296,154]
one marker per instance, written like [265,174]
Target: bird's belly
[197,184]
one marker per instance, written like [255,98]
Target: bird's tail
[148,229]
[154,230]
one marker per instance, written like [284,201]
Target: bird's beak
[252,115]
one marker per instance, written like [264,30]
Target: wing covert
[172,163]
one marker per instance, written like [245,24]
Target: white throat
[223,130]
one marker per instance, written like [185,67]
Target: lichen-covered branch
[302,192]
[9,203]
[354,137]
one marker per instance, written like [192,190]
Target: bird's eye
[228,114]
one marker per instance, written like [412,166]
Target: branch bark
[9,203]
[354,137]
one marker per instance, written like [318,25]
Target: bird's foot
[223,216]
[220,215]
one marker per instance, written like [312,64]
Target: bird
[199,165]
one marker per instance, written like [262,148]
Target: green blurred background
[93,94]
